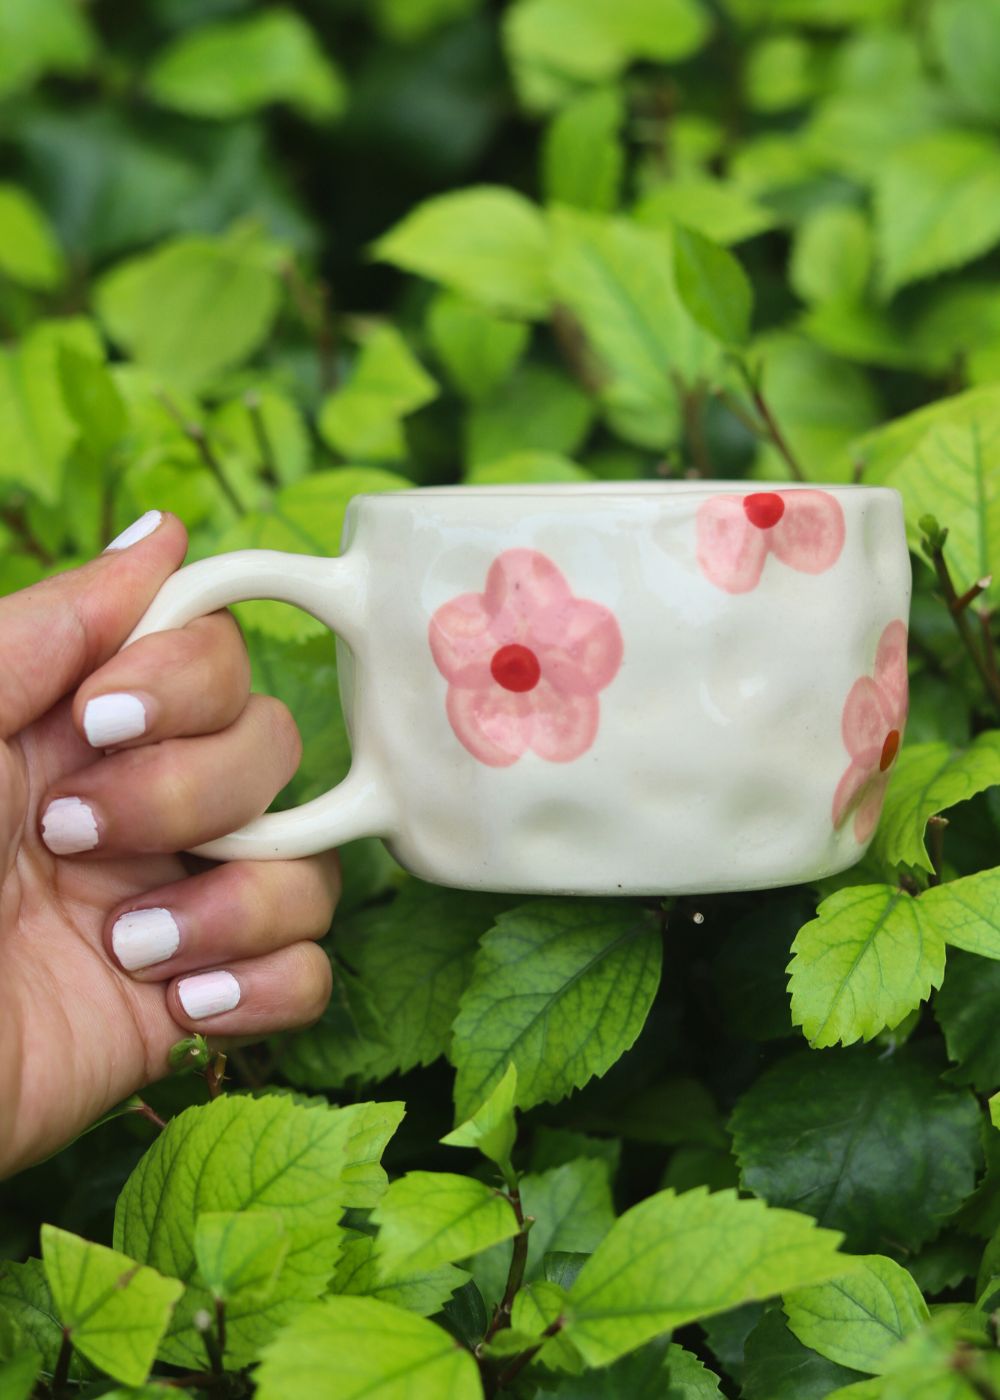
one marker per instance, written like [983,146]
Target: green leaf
[344,1348]
[583,159]
[659,1371]
[363,419]
[965,40]
[856,1320]
[239,1253]
[304,518]
[115,1310]
[415,958]
[38,36]
[193,307]
[712,286]
[477,349]
[268,1154]
[26,1304]
[492,1129]
[487,243]
[18,1376]
[37,431]
[536,410]
[28,252]
[719,209]
[928,779]
[674,1259]
[781,72]
[866,960]
[554,1147]
[92,400]
[832,255]
[812,1131]
[606,38]
[967,912]
[937,205]
[535,468]
[562,989]
[779,1367]
[966,1011]
[618,280]
[409,20]
[573,1211]
[953,473]
[349,1044]
[229,69]
[426,1219]
[360,1273]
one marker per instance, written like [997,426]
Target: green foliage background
[255,259]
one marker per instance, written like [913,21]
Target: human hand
[110,949]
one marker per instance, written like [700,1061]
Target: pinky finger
[280,991]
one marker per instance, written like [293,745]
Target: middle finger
[176,794]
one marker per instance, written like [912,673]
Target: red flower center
[889,749]
[764,508]
[515,668]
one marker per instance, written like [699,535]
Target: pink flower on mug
[524,661]
[872,726]
[803,528]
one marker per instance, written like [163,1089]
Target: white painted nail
[68,826]
[111,719]
[143,937]
[137,531]
[208,994]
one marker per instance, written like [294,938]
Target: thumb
[54,634]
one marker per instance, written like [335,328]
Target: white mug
[610,688]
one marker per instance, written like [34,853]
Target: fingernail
[143,937]
[111,719]
[208,994]
[137,531]
[69,826]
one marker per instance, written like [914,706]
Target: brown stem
[150,1114]
[60,1376]
[16,523]
[220,1325]
[962,623]
[515,1274]
[971,594]
[575,349]
[252,401]
[989,645]
[313,305]
[692,403]
[215,1073]
[195,433]
[774,432]
[518,1364]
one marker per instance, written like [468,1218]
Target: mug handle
[331,590]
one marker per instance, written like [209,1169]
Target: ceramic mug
[610,688]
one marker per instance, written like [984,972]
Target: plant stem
[215,1073]
[220,1325]
[515,1274]
[770,422]
[150,1114]
[313,304]
[252,401]
[985,616]
[60,1376]
[195,433]
[16,523]
[203,1323]
[518,1364]
[961,620]
[692,403]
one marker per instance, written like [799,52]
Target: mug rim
[626,490]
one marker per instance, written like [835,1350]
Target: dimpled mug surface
[609,688]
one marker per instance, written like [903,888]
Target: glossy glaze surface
[599,689]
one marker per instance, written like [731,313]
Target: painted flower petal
[562,726]
[494,724]
[850,791]
[891,674]
[863,722]
[523,581]
[578,644]
[870,808]
[731,551]
[810,534]
[463,639]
